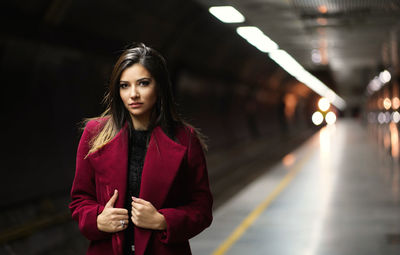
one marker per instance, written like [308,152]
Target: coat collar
[161,163]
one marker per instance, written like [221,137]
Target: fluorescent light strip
[227,14]
[257,38]
[290,65]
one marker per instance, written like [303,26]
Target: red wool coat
[174,180]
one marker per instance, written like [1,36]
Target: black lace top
[137,153]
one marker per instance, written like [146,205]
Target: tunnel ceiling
[353,39]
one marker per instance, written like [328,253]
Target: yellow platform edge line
[249,220]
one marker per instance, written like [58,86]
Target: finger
[111,202]
[139,201]
[135,212]
[136,205]
[119,211]
[119,217]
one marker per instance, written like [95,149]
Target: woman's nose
[134,92]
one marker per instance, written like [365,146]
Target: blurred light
[374,85]
[316,56]
[291,66]
[330,118]
[322,21]
[394,139]
[322,9]
[257,38]
[387,103]
[227,14]
[288,160]
[381,118]
[396,117]
[387,117]
[317,118]
[385,76]
[286,61]
[395,103]
[378,81]
[324,104]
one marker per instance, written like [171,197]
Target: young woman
[141,183]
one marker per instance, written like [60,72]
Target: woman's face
[137,89]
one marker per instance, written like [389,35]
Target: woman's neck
[140,122]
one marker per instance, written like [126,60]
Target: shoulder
[189,136]
[184,133]
[94,125]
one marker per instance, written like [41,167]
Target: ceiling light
[330,118]
[324,104]
[385,76]
[257,38]
[290,65]
[227,14]
[322,9]
[317,118]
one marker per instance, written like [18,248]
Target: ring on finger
[122,223]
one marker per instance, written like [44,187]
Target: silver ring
[122,223]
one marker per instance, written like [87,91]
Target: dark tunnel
[56,61]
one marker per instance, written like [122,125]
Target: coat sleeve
[184,222]
[84,206]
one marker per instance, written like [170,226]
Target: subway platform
[337,194]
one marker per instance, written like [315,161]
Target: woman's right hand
[112,219]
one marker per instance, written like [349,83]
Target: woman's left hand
[145,215]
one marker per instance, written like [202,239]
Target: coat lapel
[162,162]
[163,159]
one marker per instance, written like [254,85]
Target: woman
[141,183]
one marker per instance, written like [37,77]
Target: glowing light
[291,66]
[324,104]
[322,9]
[316,56]
[374,85]
[287,62]
[288,160]
[385,76]
[387,103]
[330,118]
[227,14]
[257,38]
[396,117]
[394,139]
[395,103]
[317,118]
[381,118]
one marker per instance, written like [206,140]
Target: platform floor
[337,194]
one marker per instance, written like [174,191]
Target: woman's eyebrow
[144,78]
[138,80]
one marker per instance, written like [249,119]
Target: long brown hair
[164,112]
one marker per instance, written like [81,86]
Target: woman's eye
[144,83]
[123,85]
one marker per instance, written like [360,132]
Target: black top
[137,153]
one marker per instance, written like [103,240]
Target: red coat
[174,180]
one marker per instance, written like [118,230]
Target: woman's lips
[135,105]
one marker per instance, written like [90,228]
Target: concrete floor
[335,195]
